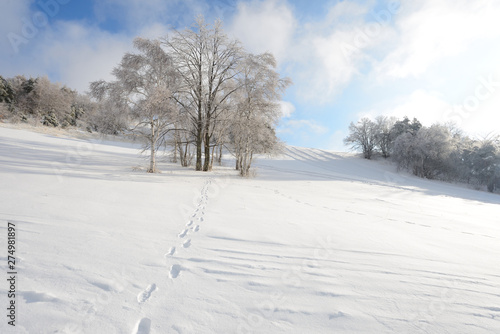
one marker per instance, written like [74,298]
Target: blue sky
[437,60]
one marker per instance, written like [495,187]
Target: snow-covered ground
[317,242]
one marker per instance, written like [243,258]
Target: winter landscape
[316,242]
[249,166]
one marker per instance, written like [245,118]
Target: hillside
[316,242]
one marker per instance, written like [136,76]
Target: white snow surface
[316,242]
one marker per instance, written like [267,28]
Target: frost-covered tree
[50,103]
[206,61]
[145,84]
[6,91]
[384,134]
[426,153]
[482,160]
[53,102]
[257,109]
[362,136]
[405,126]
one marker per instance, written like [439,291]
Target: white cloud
[331,52]
[287,109]
[302,125]
[427,107]
[79,54]
[13,17]
[264,26]
[476,116]
[433,30]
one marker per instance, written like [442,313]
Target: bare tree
[144,85]
[257,111]
[384,136]
[362,135]
[206,60]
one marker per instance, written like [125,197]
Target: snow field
[318,242]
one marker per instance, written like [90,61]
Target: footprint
[38,297]
[144,295]
[143,326]
[183,233]
[171,252]
[175,270]
[186,243]
[201,219]
[196,228]
[189,223]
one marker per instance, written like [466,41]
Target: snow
[316,242]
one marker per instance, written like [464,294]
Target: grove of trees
[436,152]
[196,90]
[199,87]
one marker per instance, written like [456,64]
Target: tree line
[196,91]
[441,152]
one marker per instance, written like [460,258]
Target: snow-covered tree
[6,91]
[384,134]
[482,161]
[362,136]
[257,109]
[405,126]
[206,61]
[145,84]
[426,153]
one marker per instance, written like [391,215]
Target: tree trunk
[186,153]
[219,157]
[206,166]
[199,125]
[152,161]
[176,147]
[199,143]
[181,155]
[212,158]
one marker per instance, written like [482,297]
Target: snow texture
[317,242]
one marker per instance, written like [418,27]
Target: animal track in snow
[143,326]
[196,228]
[186,243]
[201,219]
[170,252]
[189,223]
[175,270]
[183,233]
[144,295]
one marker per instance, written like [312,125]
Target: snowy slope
[317,242]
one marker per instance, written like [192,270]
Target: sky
[436,60]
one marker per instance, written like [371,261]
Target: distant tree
[384,134]
[6,91]
[51,101]
[405,126]
[484,162]
[145,83]
[107,117]
[362,136]
[25,101]
[426,154]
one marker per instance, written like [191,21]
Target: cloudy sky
[437,60]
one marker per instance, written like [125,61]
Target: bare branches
[201,86]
